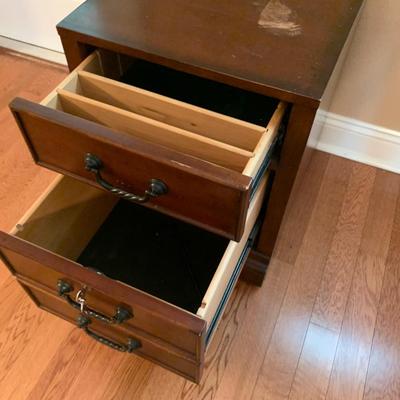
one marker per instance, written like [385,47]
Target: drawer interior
[153,252]
[174,261]
[217,123]
[224,99]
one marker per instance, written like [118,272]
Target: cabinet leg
[255,268]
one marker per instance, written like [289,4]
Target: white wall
[363,122]
[369,86]
[34,21]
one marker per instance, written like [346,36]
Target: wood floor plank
[54,382]
[10,293]
[167,385]
[255,332]
[313,372]
[351,361]
[278,370]
[26,343]
[106,374]
[263,310]
[80,361]
[222,347]
[217,356]
[338,272]
[383,379]
[300,206]
[315,365]
[21,181]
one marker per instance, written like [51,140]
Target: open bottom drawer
[144,277]
[190,162]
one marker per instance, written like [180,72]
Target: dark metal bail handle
[121,314]
[156,187]
[83,322]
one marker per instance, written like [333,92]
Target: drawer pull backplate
[64,288]
[156,187]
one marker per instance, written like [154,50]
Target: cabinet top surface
[286,45]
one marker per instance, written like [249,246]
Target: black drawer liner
[158,254]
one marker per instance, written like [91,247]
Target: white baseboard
[359,141]
[35,51]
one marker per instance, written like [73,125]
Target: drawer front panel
[152,315]
[153,350]
[199,192]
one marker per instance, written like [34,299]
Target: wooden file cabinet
[178,136]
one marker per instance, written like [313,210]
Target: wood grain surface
[249,44]
[308,333]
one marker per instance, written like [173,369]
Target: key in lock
[80,298]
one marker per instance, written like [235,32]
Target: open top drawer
[195,164]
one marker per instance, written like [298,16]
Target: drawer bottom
[155,253]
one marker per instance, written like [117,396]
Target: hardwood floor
[325,324]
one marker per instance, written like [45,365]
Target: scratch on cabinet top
[279,19]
